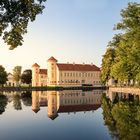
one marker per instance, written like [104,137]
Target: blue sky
[70,30]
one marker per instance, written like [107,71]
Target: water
[54,115]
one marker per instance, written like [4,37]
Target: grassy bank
[49,88]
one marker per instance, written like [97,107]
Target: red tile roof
[35,65]
[76,108]
[43,71]
[52,59]
[77,67]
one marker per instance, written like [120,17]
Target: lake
[67,115]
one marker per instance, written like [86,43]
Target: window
[73,74]
[83,81]
[68,74]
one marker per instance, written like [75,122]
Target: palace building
[69,101]
[65,74]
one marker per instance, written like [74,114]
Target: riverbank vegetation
[121,60]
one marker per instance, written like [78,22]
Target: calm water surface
[54,115]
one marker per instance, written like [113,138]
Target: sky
[70,30]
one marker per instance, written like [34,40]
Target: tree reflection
[3,103]
[122,116]
[17,102]
[26,98]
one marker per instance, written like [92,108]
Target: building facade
[10,80]
[65,74]
[69,101]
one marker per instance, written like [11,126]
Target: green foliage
[107,62]
[26,77]
[122,117]
[125,65]
[14,18]
[3,75]
[26,98]
[3,103]
[17,73]
[17,102]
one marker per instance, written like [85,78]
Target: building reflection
[66,101]
[113,95]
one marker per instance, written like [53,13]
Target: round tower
[52,104]
[52,71]
[35,75]
[35,101]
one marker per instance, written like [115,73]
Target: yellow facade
[66,74]
[66,101]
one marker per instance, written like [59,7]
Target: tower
[52,104]
[52,71]
[35,75]
[35,101]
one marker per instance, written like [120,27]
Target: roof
[43,71]
[76,108]
[36,110]
[77,67]
[35,65]
[52,117]
[52,59]
[9,74]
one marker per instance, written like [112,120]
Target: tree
[17,73]
[26,98]
[107,63]
[126,63]
[26,76]
[3,75]
[14,18]
[122,117]
[3,103]
[17,101]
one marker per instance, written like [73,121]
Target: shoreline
[52,88]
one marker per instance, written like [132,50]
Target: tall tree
[17,73]
[26,77]
[14,18]
[3,75]
[126,63]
